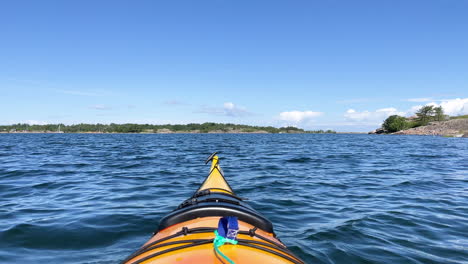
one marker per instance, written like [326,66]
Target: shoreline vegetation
[221,128]
[429,120]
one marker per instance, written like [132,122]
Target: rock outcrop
[451,128]
[378,131]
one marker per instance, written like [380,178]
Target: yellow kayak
[214,226]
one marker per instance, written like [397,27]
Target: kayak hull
[187,234]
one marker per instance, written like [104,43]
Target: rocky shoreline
[450,128]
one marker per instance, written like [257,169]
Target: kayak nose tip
[211,157]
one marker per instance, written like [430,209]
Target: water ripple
[332,198]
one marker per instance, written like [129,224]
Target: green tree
[394,123]
[439,113]
[425,114]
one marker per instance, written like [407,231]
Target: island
[159,129]
[428,120]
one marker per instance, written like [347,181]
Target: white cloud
[228,109]
[454,107]
[371,117]
[231,109]
[298,116]
[420,100]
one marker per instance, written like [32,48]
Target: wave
[83,234]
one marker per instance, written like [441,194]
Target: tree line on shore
[424,115]
[149,128]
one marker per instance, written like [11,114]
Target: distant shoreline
[185,132]
[193,128]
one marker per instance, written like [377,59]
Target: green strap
[219,241]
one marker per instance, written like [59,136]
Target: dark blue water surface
[78,198]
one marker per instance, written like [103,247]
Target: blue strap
[228,227]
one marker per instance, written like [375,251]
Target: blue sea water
[95,198]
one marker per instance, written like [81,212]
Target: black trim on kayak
[215,204]
[194,201]
[213,209]
[267,247]
[185,231]
[208,191]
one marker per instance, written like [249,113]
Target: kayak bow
[214,226]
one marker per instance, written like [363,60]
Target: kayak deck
[187,234]
[197,247]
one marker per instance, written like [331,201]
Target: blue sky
[343,65]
